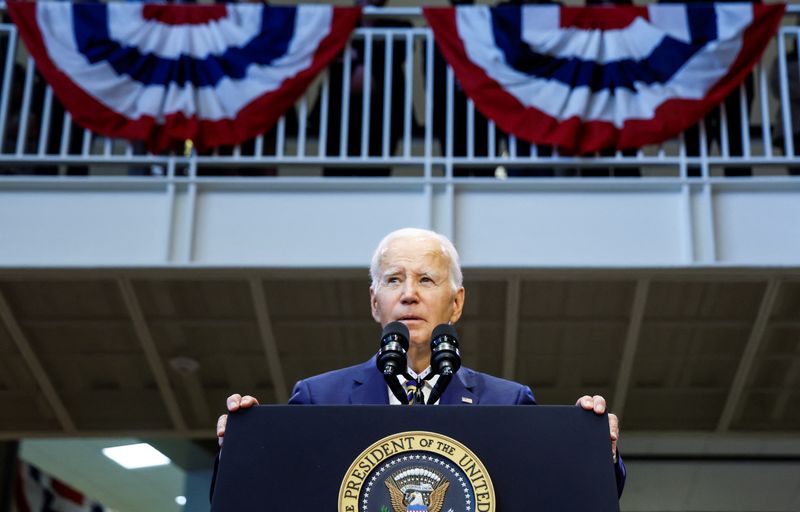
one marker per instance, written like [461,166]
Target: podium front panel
[297,457]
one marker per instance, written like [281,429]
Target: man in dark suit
[417,280]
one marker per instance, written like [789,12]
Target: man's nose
[409,291]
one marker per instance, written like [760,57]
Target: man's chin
[420,340]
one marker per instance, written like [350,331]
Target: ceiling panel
[704,300]
[89,299]
[194,299]
[787,305]
[674,409]
[576,299]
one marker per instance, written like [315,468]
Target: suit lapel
[369,388]
[460,389]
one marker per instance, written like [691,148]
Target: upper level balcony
[386,139]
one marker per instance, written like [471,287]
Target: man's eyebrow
[391,271]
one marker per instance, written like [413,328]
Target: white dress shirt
[427,385]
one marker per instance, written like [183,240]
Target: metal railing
[390,107]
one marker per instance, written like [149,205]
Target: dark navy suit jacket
[363,384]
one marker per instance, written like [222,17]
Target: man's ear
[373,304]
[458,305]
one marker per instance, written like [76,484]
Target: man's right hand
[234,403]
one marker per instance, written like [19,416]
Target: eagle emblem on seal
[417,490]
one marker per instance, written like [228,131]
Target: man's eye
[391,280]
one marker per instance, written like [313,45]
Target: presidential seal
[417,472]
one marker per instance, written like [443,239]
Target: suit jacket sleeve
[621,473]
[525,396]
[301,394]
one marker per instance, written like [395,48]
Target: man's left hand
[598,404]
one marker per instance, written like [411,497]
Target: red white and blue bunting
[215,74]
[36,491]
[581,79]
[589,78]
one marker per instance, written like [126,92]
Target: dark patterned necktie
[414,392]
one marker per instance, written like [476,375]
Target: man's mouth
[409,319]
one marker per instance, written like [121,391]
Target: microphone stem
[441,385]
[397,390]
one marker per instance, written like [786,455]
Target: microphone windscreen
[446,329]
[398,328]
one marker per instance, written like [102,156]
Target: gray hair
[449,250]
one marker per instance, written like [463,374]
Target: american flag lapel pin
[466,399]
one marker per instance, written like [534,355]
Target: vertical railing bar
[44,126]
[302,125]
[106,147]
[470,129]
[388,63]
[725,148]
[788,143]
[344,122]
[128,148]
[323,115]
[490,142]
[86,143]
[766,129]
[512,145]
[280,138]
[25,109]
[258,150]
[408,106]
[237,151]
[66,133]
[366,95]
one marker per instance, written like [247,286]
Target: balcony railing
[411,122]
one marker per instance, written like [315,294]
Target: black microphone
[445,357]
[391,358]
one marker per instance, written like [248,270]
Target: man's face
[415,288]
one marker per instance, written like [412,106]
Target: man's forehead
[414,252]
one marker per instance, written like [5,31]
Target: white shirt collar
[427,385]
